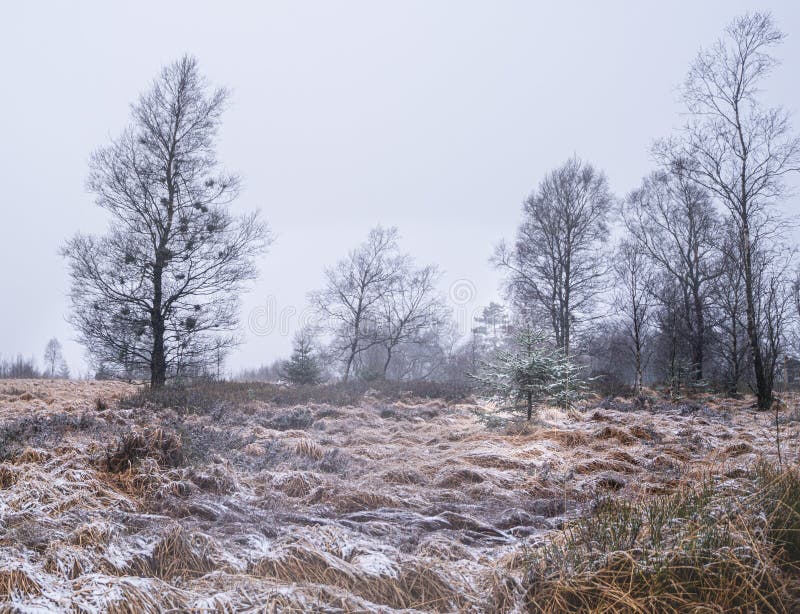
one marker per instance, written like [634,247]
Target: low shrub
[298,419]
[608,384]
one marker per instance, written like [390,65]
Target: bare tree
[158,292]
[409,309]
[353,292]
[738,149]
[674,222]
[727,299]
[634,300]
[670,352]
[557,263]
[53,357]
[774,304]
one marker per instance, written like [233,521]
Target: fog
[437,118]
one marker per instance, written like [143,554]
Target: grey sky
[436,117]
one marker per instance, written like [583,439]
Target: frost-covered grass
[382,504]
[718,545]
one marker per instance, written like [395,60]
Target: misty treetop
[157,294]
[376,302]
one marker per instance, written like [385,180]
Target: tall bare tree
[774,304]
[409,310]
[158,292]
[738,149]
[727,299]
[674,222]
[557,263]
[634,300]
[353,292]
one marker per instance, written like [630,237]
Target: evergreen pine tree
[302,367]
[531,372]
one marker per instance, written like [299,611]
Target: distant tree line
[688,281]
[704,281]
[55,366]
[698,288]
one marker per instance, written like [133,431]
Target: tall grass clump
[709,547]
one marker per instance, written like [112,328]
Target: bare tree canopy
[738,149]
[376,299]
[353,292]
[409,309]
[53,358]
[635,277]
[675,224]
[557,264]
[157,294]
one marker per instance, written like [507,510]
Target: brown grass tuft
[404,475]
[737,449]
[415,585]
[310,448]
[127,595]
[593,466]
[32,455]
[611,432]
[455,478]
[180,554]
[297,484]
[567,438]
[162,445]
[8,475]
[16,580]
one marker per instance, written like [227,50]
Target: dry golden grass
[18,581]
[703,548]
[369,507]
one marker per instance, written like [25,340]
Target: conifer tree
[303,367]
[528,371]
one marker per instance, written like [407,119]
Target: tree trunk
[348,366]
[388,360]
[733,388]
[158,362]
[530,405]
[699,337]
[637,342]
[639,378]
[763,389]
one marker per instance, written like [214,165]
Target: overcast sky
[436,117]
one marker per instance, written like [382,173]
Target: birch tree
[558,263]
[674,222]
[354,288]
[634,301]
[157,294]
[739,149]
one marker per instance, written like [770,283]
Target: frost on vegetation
[384,508]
